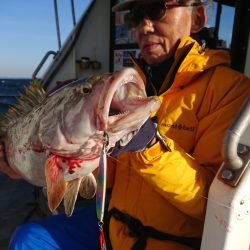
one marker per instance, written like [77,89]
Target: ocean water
[9,89]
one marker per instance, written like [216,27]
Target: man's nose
[146,26]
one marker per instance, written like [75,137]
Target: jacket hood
[197,60]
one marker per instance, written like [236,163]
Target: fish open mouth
[125,104]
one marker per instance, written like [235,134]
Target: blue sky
[226,23]
[28,32]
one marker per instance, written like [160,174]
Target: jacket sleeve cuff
[155,151]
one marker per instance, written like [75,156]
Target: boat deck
[17,205]
[22,202]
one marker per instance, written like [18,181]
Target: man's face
[158,40]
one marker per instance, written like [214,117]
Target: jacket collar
[190,60]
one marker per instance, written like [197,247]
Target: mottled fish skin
[57,140]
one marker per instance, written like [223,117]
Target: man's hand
[139,141]
[4,167]
[146,137]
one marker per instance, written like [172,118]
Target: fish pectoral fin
[70,196]
[88,187]
[54,182]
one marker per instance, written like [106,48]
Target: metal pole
[217,21]
[240,36]
[42,62]
[232,137]
[73,12]
[57,25]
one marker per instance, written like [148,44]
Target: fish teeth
[125,112]
[121,113]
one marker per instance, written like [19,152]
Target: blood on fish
[32,147]
[55,167]
[38,150]
[72,164]
[111,79]
[101,123]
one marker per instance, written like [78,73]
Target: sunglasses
[153,11]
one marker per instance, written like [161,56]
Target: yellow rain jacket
[168,190]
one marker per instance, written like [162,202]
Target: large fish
[56,140]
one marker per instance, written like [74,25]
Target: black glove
[141,139]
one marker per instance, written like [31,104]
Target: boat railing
[51,52]
[46,56]
[236,147]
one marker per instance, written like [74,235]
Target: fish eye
[85,89]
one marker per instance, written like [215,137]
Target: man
[159,194]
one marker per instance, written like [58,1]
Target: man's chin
[154,59]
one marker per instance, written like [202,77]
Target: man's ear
[199,19]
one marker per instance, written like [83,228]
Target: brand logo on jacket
[179,127]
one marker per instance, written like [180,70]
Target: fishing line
[219,203]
